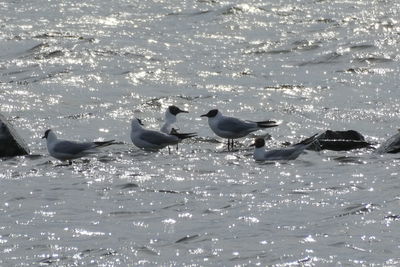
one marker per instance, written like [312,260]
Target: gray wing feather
[158,138]
[235,125]
[285,154]
[68,147]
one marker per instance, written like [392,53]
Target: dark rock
[11,144]
[340,141]
[392,145]
[342,135]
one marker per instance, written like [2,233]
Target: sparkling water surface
[86,68]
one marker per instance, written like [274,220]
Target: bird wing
[158,138]
[69,147]
[288,153]
[230,124]
[279,153]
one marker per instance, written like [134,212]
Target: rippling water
[85,68]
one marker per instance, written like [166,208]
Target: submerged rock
[342,135]
[11,144]
[340,141]
[392,145]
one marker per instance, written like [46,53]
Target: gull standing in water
[154,140]
[170,120]
[233,128]
[69,150]
[287,153]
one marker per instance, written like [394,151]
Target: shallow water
[85,69]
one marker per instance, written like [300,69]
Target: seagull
[287,153]
[232,128]
[170,118]
[69,150]
[154,140]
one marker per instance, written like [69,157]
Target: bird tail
[182,135]
[267,124]
[104,143]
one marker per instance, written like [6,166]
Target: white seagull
[170,118]
[154,140]
[287,153]
[233,128]
[69,150]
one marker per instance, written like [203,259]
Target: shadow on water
[350,160]
[189,14]
[216,210]
[188,238]
[148,250]
[128,186]
[326,59]
[59,35]
[130,213]
[373,59]
[356,209]
[362,47]
[35,76]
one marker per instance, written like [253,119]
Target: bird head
[211,114]
[258,142]
[174,110]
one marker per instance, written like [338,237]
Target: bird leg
[229,144]
[69,163]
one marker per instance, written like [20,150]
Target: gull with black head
[169,121]
[170,118]
[233,128]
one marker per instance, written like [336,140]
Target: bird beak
[182,111]
[204,115]
[253,144]
[43,137]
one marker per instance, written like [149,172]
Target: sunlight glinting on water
[86,69]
